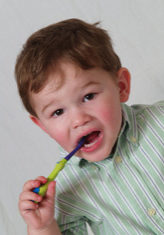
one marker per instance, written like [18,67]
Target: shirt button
[151,211]
[133,139]
[118,159]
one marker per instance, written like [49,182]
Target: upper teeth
[92,143]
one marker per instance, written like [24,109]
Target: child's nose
[80,118]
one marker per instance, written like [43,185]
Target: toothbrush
[59,166]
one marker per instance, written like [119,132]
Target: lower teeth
[89,145]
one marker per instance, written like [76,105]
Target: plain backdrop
[137,30]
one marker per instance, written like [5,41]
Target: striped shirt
[123,194]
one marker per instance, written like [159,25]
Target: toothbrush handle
[43,189]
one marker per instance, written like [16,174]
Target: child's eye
[58,112]
[89,96]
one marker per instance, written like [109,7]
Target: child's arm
[39,217]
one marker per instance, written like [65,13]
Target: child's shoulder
[147,116]
[152,111]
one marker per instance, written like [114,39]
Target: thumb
[50,195]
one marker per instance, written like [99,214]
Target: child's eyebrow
[46,106]
[90,83]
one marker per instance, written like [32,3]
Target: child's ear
[38,122]
[124,84]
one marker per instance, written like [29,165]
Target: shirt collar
[129,118]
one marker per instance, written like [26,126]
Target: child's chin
[93,158]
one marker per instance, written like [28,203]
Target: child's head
[84,44]
[72,84]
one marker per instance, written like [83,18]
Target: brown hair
[86,45]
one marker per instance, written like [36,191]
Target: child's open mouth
[91,139]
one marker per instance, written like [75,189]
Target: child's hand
[39,215]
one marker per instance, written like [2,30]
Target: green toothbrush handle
[43,189]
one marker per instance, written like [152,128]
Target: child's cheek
[59,137]
[109,116]
[105,114]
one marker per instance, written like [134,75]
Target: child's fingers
[42,179]
[29,185]
[28,211]
[30,196]
[25,206]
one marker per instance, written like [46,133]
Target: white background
[137,29]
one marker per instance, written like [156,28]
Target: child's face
[87,102]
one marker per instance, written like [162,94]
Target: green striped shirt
[123,194]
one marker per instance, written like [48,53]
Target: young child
[73,85]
